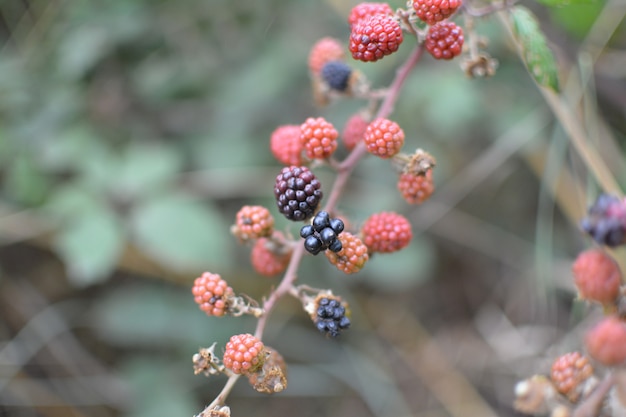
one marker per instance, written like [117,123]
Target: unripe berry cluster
[244,354]
[212,294]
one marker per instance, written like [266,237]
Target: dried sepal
[243,304]
[217,411]
[207,362]
[272,377]
[535,395]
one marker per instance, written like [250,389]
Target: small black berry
[337,225]
[331,317]
[306,231]
[321,221]
[336,246]
[327,236]
[337,75]
[313,244]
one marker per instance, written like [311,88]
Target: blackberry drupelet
[337,75]
[331,317]
[298,192]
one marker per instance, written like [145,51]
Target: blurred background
[131,131]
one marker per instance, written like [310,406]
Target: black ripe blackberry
[606,221]
[331,317]
[337,75]
[297,193]
[322,233]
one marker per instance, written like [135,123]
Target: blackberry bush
[375,31]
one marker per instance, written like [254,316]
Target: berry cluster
[322,234]
[569,372]
[330,316]
[433,11]
[253,222]
[325,50]
[244,354]
[297,191]
[386,232]
[353,255]
[384,138]
[367,9]
[374,37]
[597,276]
[444,40]
[606,220]
[286,145]
[337,75]
[318,137]
[212,294]
[268,258]
[416,189]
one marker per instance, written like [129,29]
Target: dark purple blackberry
[606,221]
[337,75]
[297,192]
[331,317]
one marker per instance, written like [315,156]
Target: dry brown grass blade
[422,356]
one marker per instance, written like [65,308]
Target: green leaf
[145,169]
[25,182]
[537,56]
[180,233]
[90,245]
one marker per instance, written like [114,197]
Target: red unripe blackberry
[286,145]
[323,51]
[298,192]
[606,342]
[433,11]
[253,222]
[212,294]
[569,372]
[383,138]
[386,232]
[351,257]
[416,189]
[244,354]
[363,10]
[374,37]
[353,131]
[267,261]
[597,276]
[444,40]
[318,138]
